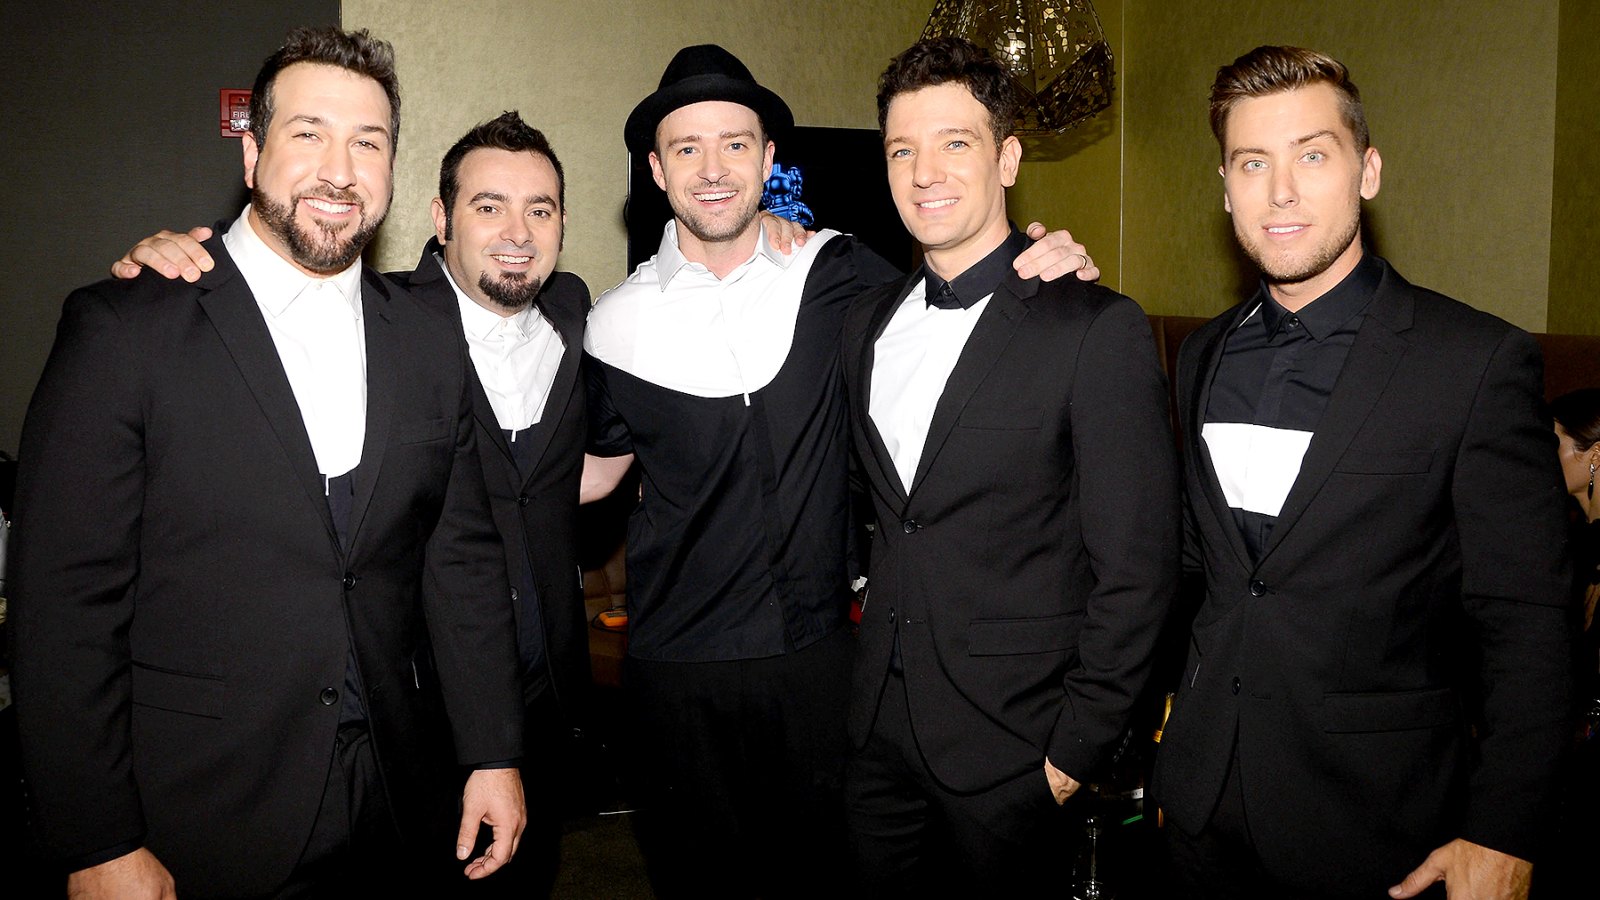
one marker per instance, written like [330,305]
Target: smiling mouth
[328,206]
[937,204]
[510,260]
[1284,229]
[714,196]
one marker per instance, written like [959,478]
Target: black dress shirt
[1277,371]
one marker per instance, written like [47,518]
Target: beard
[1294,271]
[715,230]
[317,248]
[511,292]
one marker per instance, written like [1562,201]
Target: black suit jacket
[1032,563]
[1414,581]
[183,610]
[537,516]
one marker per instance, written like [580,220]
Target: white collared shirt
[316,326]
[516,356]
[707,336]
[911,362]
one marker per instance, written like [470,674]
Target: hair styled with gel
[507,132]
[1274,70]
[945,60]
[357,52]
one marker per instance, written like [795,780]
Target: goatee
[511,292]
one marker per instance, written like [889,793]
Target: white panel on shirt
[674,324]
[1257,465]
[516,357]
[911,362]
[315,325]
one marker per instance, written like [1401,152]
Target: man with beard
[1377,683]
[245,509]
[717,364]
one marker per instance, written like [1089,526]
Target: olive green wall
[1461,101]
[575,70]
[1574,225]
[1076,183]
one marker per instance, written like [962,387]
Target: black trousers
[738,767]
[354,847]
[912,837]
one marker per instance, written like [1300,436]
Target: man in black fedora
[716,366]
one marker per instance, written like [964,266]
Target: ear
[251,154]
[1227,205]
[561,239]
[655,171]
[1010,160]
[1371,173]
[439,219]
[766,162]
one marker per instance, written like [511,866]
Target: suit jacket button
[523,500]
[891,616]
[329,696]
[349,580]
[1258,589]
[513,595]
[910,526]
[1236,684]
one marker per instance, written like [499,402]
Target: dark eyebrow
[690,138]
[496,196]
[1325,133]
[319,121]
[943,132]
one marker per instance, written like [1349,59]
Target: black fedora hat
[697,74]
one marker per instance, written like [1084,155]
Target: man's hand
[1061,784]
[492,797]
[1469,872]
[169,253]
[136,876]
[782,232]
[1053,256]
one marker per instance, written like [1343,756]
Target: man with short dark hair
[1378,676]
[716,363]
[246,510]
[1015,438]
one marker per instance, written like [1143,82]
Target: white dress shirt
[516,357]
[316,326]
[911,362]
[708,336]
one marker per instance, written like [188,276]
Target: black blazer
[1414,581]
[1032,563]
[183,610]
[537,516]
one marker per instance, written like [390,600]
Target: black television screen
[842,181]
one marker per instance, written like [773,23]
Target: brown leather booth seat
[1571,361]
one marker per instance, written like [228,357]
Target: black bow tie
[946,298]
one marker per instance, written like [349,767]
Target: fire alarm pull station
[234,111]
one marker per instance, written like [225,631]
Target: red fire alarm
[234,111]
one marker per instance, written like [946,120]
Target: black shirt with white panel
[730,394]
[1277,371]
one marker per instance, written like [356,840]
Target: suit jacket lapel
[561,390]
[1205,374]
[999,320]
[887,473]
[382,348]
[232,309]
[1373,357]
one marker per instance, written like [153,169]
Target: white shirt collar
[481,323]
[273,280]
[670,259]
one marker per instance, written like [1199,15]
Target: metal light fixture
[1054,48]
